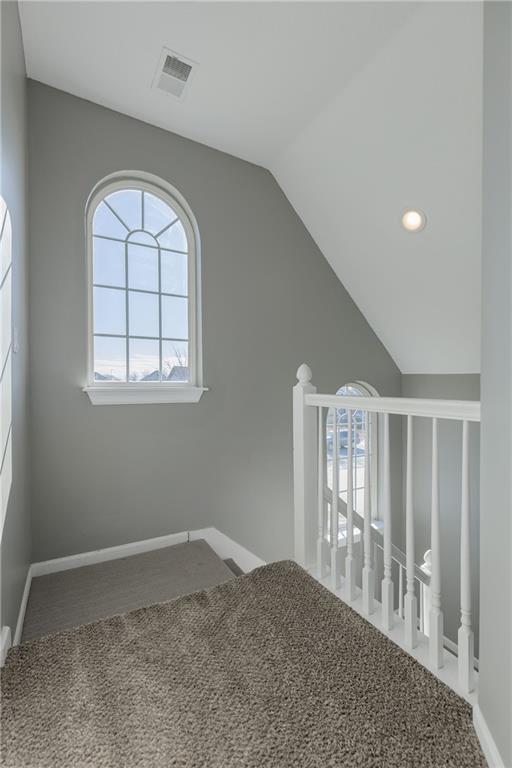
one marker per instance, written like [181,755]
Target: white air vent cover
[173,73]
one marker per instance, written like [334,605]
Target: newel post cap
[304,374]
[426,567]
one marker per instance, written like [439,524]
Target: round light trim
[413,220]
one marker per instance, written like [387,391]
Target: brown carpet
[268,670]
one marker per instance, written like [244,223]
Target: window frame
[366,390]
[140,392]
[6,361]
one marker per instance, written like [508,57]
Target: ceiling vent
[173,73]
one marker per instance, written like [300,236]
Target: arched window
[364,448]
[144,293]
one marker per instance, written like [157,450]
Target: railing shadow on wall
[339,546]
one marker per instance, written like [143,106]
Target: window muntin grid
[141,259]
[362,449]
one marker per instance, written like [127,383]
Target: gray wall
[495,694]
[107,475]
[449,387]
[15,545]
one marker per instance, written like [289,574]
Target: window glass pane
[105,223]
[350,391]
[108,262]
[109,359]
[127,203]
[174,238]
[359,472]
[143,314]
[174,272]
[175,364]
[149,276]
[157,214]
[109,311]
[343,475]
[144,360]
[174,317]
[142,238]
[5,243]
[5,318]
[142,267]
[359,502]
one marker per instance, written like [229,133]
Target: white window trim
[141,393]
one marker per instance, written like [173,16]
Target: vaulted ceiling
[358,109]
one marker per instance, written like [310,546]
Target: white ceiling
[358,109]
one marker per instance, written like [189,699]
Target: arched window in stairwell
[364,448]
[144,293]
[5,360]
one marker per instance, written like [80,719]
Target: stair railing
[316,551]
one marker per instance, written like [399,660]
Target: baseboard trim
[453,648]
[5,643]
[226,548]
[221,544]
[489,748]
[23,607]
[109,553]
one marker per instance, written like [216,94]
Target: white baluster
[322,547]
[305,468]
[350,581]
[410,602]
[368,572]
[335,520]
[436,630]
[400,590]
[426,567]
[387,582]
[465,635]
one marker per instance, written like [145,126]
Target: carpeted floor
[78,596]
[268,670]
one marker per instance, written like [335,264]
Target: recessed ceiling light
[413,220]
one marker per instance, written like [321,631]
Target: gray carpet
[268,670]
[68,599]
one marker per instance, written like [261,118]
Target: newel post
[305,469]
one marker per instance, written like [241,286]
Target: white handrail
[459,410]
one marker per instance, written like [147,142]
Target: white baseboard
[453,648]
[109,553]
[221,544]
[5,643]
[489,748]
[226,548]
[23,607]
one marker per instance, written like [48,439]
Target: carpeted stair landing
[268,670]
[67,599]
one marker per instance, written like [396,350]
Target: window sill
[142,394]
